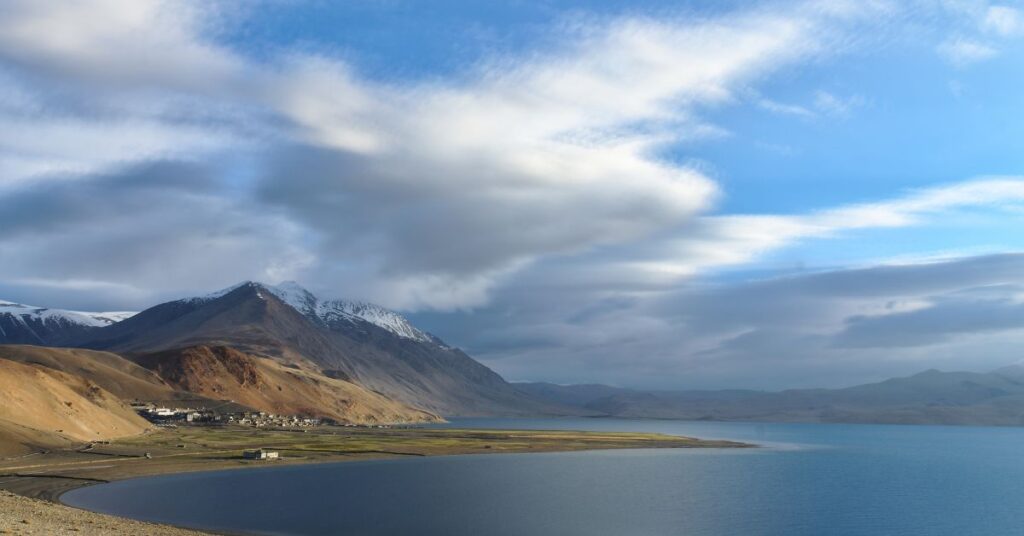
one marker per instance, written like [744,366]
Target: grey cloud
[144,232]
[946,317]
[63,201]
[820,329]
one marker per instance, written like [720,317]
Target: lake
[810,479]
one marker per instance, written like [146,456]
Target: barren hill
[112,372]
[46,407]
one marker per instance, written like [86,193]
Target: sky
[648,194]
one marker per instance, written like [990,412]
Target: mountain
[358,343]
[28,324]
[44,407]
[930,397]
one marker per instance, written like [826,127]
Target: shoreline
[43,478]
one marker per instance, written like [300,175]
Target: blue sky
[563,188]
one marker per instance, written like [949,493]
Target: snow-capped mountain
[332,311]
[28,324]
[348,341]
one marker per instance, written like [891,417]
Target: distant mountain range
[931,397]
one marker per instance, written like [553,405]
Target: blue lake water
[811,479]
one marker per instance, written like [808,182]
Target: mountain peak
[330,311]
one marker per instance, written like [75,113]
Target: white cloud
[962,51]
[718,241]
[1004,21]
[143,44]
[830,104]
[785,109]
[433,191]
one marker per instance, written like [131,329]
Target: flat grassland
[46,475]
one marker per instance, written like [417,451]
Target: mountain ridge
[30,324]
[927,397]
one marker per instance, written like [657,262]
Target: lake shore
[40,479]
[22,515]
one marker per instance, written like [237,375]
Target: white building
[260,454]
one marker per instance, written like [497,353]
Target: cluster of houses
[261,419]
[172,416]
[164,415]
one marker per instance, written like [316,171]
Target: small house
[260,454]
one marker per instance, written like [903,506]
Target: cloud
[1004,21]
[419,194]
[549,156]
[712,242]
[644,314]
[989,27]
[832,328]
[121,47]
[124,235]
[824,103]
[828,103]
[962,51]
[785,109]
[940,319]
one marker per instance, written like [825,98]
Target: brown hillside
[44,407]
[112,372]
[225,373]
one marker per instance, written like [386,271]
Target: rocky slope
[224,373]
[120,377]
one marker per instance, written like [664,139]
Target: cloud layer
[419,195]
[143,156]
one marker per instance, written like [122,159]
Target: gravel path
[21,515]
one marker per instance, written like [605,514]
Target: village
[173,417]
[165,416]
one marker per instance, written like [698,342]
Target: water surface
[809,480]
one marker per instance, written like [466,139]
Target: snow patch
[328,311]
[24,313]
[374,314]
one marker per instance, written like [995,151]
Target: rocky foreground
[21,515]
